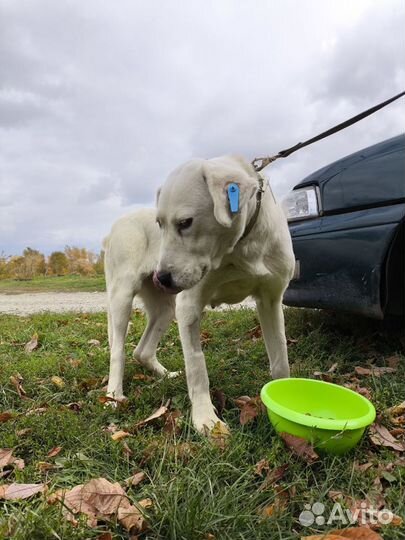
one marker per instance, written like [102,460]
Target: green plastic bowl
[331,417]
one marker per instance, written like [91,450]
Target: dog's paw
[206,421]
[173,374]
[115,401]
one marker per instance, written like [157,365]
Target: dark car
[347,223]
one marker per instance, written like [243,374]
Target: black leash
[264,161]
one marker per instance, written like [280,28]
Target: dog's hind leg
[272,323]
[160,309]
[119,312]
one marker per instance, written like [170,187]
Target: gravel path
[60,302]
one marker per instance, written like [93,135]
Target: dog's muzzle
[164,282]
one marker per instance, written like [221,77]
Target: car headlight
[301,204]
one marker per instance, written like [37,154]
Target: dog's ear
[218,174]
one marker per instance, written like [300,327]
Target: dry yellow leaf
[32,344]
[220,435]
[58,381]
[119,435]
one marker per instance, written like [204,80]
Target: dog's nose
[165,279]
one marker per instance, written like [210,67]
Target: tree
[4,266]
[31,264]
[99,264]
[58,263]
[80,260]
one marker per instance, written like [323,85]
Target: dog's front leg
[272,323]
[188,313]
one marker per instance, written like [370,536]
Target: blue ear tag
[233,196]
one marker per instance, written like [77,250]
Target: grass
[71,283]
[202,491]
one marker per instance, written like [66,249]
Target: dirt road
[29,303]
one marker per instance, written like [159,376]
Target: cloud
[100,101]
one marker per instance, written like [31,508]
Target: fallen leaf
[327,377]
[220,435]
[333,367]
[105,496]
[274,476]
[397,414]
[119,435]
[205,337]
[75,406]
[73,503]
[240,401]
[145,503]
[388,476]
[107,399]
[32,344]
[357,533]
[363,466]
[5,417]
[143,377]
[172,422]
[17,380]
[353,533]
[54,452]
[155,416]
[218,398]
[111,428]
[20,491]
[58,381]
[398,432]
[126,449]
[136,479]
[268,511]
[183,451]
[75,362]
[23,432]
[262,465]
[375,371]
[44,466]
[250,408]
[36,411]
[397,521]
[90,384]
[359,389]
[380,436]
[300,447]
[19,464]
[99,499]
[279,505]
[105,536]
[255,332]
[94,342]
[393,361]
[131,519]
[8,460]
[6,457]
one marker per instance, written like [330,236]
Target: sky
[101,100]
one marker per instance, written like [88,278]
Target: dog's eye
[184,224]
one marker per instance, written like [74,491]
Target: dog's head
[197,225]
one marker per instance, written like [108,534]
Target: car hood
[369,177]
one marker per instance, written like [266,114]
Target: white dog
[209,246]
